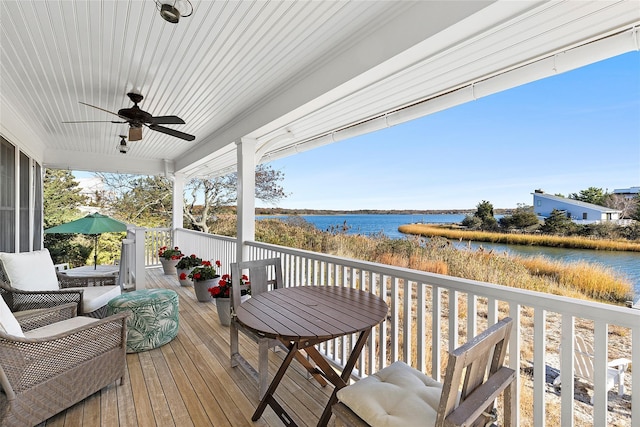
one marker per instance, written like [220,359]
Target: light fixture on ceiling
[171,11]
[122,147]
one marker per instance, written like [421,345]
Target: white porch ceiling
[258,69]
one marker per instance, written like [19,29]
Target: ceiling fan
[138,118]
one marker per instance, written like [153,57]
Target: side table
[153,321]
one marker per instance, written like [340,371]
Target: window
[7,196]
[584,215]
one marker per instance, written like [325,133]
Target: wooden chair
[51,359]
[29,280]
[264,275]
[474,379]
[583,367]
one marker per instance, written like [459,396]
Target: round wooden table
[305,316]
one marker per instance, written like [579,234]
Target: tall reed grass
[438,255]
[572,242]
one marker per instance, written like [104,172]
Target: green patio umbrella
[93,224]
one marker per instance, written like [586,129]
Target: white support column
[246,151]
[139,270]
[178,201]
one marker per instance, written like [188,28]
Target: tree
[484,212]
[522,217]
[558,223]
[627,206]
[591,195]
[147,200]
[471,221]
[61,199]
[482,219]
[636,211]
[142,200]
[220,192]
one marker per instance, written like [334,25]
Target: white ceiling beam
[124,163]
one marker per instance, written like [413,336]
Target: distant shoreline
[282,211]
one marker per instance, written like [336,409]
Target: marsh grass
[593,280]
[437,255]
[571,242]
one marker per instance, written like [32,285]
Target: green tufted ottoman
[153,321]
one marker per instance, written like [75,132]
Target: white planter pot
[184,271]
[202,289]
[223,305]
[169,265]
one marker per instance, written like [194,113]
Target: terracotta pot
[202,289]
[186,281]
[169,265]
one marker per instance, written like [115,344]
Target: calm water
[626,263]
[373,224]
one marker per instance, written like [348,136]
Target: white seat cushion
[30,271]
[95,297]
[8,323]
[396,396]
[59,327]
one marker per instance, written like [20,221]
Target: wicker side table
[154,317]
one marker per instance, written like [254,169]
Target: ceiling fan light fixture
[123,147]
[171,12]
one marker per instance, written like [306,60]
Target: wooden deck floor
[189,382]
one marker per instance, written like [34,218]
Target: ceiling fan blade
[95,121]
[172,132]
[167,120]
[135,133]
[101,109]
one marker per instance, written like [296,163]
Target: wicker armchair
[44,287]
[61,360]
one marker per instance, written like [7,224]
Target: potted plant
[169,258]
[184,266]
[222,294]
[204,276]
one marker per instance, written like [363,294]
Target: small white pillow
[8,323]
[396,396]
[30,271]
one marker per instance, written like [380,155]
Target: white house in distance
[628,193]
[580,212]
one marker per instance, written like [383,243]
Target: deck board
[189,381]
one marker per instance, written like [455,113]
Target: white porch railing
[209,247]
[155,238]
[431,314]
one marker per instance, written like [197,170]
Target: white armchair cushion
[8,323]
[396,396]
[30,271]
[60,327]
[95,297]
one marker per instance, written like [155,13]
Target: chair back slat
[472,365]
[264,275]
[583,358]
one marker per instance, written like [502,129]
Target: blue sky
[562,134]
